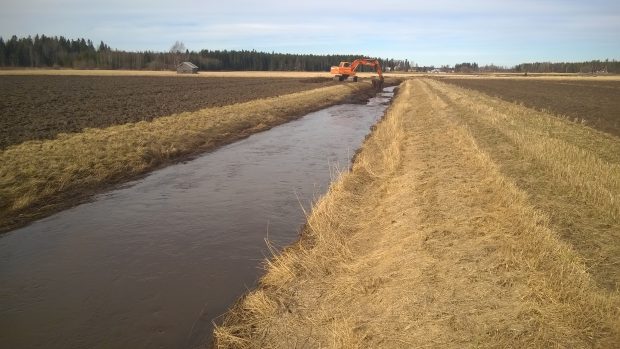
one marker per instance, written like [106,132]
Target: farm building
[187,68]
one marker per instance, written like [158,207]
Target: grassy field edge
[38,178]
[377,159]
[430,240]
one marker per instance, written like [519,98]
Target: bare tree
[177,50]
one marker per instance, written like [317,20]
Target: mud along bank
[40,177]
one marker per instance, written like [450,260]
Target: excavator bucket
[377,83]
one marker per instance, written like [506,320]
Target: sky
[437,32]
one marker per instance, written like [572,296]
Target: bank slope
[432,241]
[42,176]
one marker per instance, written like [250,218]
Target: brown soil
[594,102]
[41,107]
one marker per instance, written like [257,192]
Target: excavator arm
[369,62]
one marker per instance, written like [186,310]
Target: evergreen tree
[44,51]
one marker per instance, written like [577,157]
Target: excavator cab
[345,64]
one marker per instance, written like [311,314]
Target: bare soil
[595,102]
[41,107]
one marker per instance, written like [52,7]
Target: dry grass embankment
[434,239]
[38,177]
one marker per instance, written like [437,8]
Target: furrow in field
[570,172]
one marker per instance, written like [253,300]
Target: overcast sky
[437,32]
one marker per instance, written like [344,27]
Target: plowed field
[40,107]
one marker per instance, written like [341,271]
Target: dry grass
[37,177]
[433,240]
[571,172]
[591,101]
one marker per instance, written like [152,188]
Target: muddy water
[152,265]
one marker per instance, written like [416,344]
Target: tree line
[59,52]
[590,67]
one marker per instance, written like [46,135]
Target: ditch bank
[38,178]
[153,264]
[433,239]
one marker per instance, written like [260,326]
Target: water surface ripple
[152,264]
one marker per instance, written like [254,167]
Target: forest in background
[59,52]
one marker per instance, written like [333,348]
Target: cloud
[501,31]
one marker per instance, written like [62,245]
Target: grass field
[41,107]
[466,221]
[40,175]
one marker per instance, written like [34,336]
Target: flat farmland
[42,106]
[595,102]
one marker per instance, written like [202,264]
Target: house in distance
[187,68]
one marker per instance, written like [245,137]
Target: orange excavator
[347,70]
